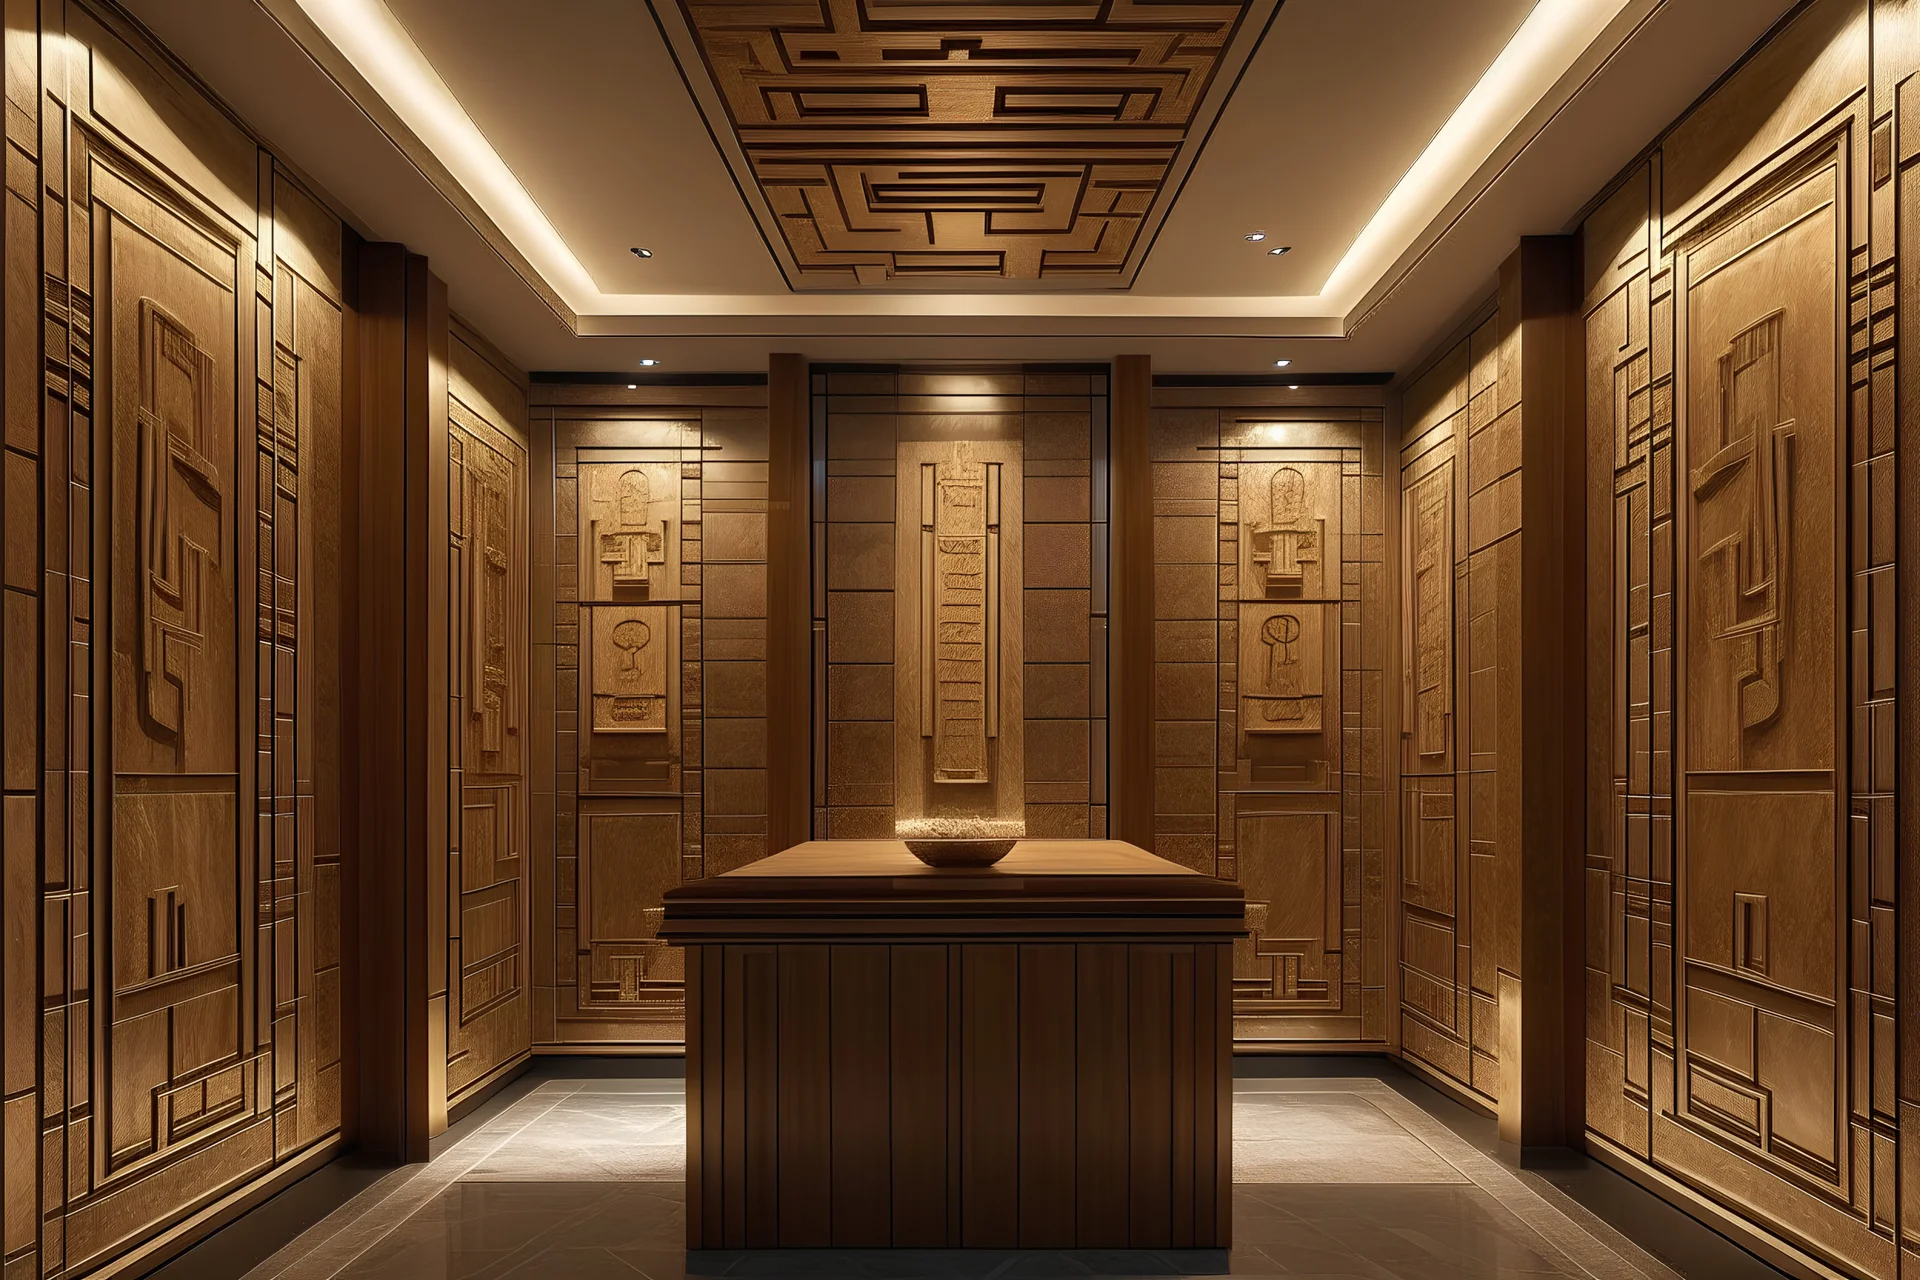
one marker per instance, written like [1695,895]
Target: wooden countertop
[874,890]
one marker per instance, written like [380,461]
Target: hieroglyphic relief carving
[960,564]
[1743,494]
[492,562]
[1430,664]
[1281,671]
[630,520]
[629,669]
[1288,542]
[180,516]
[1289,528]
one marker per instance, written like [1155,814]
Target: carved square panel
[629,530]
[1289,530]
[886,143]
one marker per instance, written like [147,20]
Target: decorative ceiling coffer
[892,144]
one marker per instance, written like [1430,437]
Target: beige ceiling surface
[581,107]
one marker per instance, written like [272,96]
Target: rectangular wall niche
[960,567]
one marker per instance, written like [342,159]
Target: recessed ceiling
[996,202]
[902,144]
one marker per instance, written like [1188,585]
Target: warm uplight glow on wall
[1544,48]
[381,50]
[1541,51]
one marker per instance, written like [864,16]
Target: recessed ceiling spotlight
[1281,364]
[648,363]
[1255,237]
[1293,386]
[638,252]
[633,386]
[1285,248]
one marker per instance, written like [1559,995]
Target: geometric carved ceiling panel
[913,144]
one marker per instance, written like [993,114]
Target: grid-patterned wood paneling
[650,655]
[1271,620]
[173,373]
[886,442]
[1742,429]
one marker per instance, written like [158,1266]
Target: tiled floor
[580,1180]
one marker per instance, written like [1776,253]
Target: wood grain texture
[1029,1083]
[959,600]
[1269,650]
[173,607]
[789,568]
[1133,606]
[857,136]
[1744,325]
[649,685]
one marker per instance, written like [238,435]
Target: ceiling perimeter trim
[367,52]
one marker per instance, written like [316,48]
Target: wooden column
[1130,638]
[789,614]
[1542,1015]
[399,707]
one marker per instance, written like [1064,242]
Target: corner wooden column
[1130,638]
[1542,1036]
[399,710]
[789,613]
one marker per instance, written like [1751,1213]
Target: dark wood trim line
[1130,633]
[1272,379]
[789,608]
[562,377]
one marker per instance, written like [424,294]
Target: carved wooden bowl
[960,852]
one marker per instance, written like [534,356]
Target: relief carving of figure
[1290,541]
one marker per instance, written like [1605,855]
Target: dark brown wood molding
[789,613]
[1131,633]
[1542,1101]
[401,699]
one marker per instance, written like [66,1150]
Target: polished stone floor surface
[1337,1177]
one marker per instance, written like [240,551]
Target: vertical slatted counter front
[1031,1055]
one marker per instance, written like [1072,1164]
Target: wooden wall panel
[488,1013]
[1742,429]
[1460,600]
[649,690]
[174,367]
[1018,733]
[940,1072]
[1271,609]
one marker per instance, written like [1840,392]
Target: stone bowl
[960,852]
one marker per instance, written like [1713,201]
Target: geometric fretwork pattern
[653,634]
[1741,852]
[893,145]
[1270,617]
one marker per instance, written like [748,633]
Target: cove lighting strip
[1545,48]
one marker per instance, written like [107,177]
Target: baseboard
[190,1231]
[1755,1239]
[1454,1090]
[1310,1048]
[477,1095]
[609,1051]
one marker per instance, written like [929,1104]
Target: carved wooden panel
[888,145]
[1268,669]
[958,584]
[1459,664]
[172,628]
[487,906]
[960,535]
[653,638]
[1741,420]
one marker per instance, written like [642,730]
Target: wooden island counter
[885,1054]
